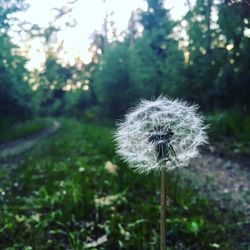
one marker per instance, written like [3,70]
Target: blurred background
[68,70]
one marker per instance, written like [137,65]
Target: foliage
[114,83]
[145,69]
[8,7]
[209,65]
[216,55]
[63,197]
[214,73]
[229,124]
[15,93]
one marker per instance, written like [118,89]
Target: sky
[89,17]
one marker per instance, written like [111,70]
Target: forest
[62,185]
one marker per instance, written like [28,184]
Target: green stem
[163,209]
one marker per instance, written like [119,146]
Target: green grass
[62,197]
[230,124]
[232,128]
[11,132]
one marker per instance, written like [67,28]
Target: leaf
[193,227]
[101,240]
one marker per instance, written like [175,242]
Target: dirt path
[10,151]
[222,180]
[226,182]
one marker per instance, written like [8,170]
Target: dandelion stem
[163,209]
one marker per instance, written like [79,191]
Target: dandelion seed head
[160,134]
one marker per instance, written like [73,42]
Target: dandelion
[110,167]
[159,136]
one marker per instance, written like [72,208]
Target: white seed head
[160,134]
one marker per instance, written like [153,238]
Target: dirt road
[224,181]
[10,152]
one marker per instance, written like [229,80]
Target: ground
[224,180]
[221,179]
[10,151]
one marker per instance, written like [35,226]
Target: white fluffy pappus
[160,134]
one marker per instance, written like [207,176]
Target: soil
[222,180]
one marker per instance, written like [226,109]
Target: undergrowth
[63,197]
[232,128]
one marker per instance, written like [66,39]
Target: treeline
[203,58]
[15,92]
[209,64]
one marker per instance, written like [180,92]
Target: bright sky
[89,16]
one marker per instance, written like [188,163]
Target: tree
[160,58]
[114,85]
[234,20]
[204,58]
[15,92]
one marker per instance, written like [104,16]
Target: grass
[63,197]
[231,127]
[11,132]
